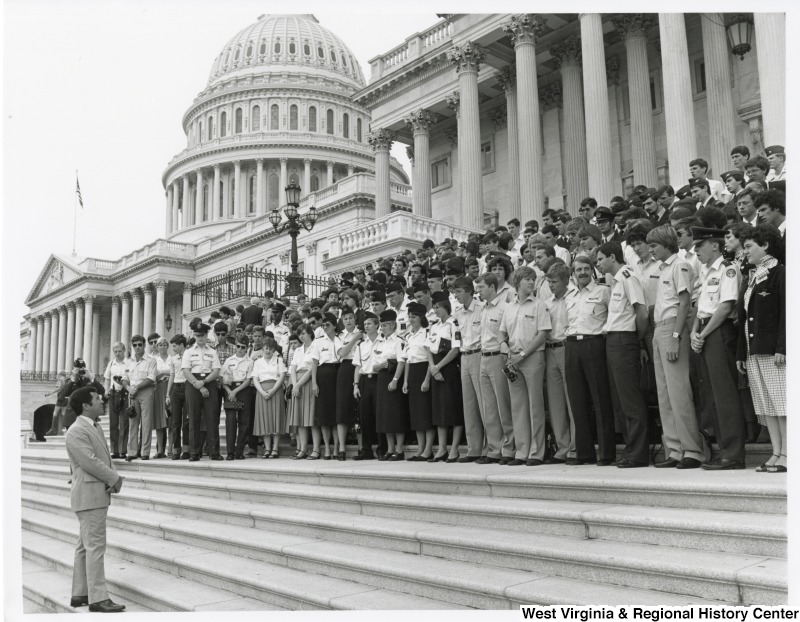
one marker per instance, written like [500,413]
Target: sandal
[300,455]
[764,468]
[274,454]
[265,456]
[313,456]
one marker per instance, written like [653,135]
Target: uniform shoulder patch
[727,262]
[626,274]
[730,273]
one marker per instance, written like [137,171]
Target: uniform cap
[439,297]
[416,309]
[737,175]
[395,286]
[434,274]
[602,214]
[388,316]
[79,362]
[707,233]
[774,149]
[201,329]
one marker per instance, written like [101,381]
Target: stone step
[389,520]
[737,491]
[457,560]
[47,590]
[252,584]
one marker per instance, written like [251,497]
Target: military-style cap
[602,214]
[329,317]
[421,287]
[774,150]
[278,308]
[706,233]
[737,175]
[348,276]
[388,316]
[683,192]
[378,297]
[652,193]
[439,296]
[201,329]
[345,283]
[696,181]
[416,309]
[435,274]
[369,315]
[454,272]
[395,286]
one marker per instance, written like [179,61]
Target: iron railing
[246,282]
[39,376]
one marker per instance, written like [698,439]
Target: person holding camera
[80,377]
[118,401]
[201,367]
[140,382]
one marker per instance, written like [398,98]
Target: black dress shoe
[441,458]
[230,457]
[194,459]
[239,456]
[451,460]
[123,455]
[555,461]
[487,460]
[579,461]
[605,462]
[176,456]
[130,459]
[534,462]
[724,465]
[397,456]
[505,460]
[106,606]
[669,463]
[185,455]
[466,459]
[113,457]
[216,457]
[145,457]
[415,458]
[516,462]
[630,464]
[384,457]
[79,601]
[618,462]
[689,463]
[342,456]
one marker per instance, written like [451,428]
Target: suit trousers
[587,384]
[202,409]
[88,570]
[471,392]
[118,423]
[367,407]
[625,369]
[678,418]
[143,403]
[719,359]
[236,422]
[560,409]
[496,399]
[179,417]
[527,407]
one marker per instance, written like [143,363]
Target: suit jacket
[92,469]
[766,316]
[252,315]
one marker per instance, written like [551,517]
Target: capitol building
[503,115]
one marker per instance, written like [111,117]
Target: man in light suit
[93,480]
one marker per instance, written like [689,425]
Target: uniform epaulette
[727,262]
[626,273]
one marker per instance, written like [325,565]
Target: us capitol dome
[278,107]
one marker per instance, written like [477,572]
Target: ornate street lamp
[294,280]
[740,33]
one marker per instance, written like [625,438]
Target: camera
[117,379]
[81,372]
[511,372]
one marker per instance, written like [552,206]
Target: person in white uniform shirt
[139,381]
[176,399]
[304,392]
[117,368]
[776,155]
[201,367]
[236,383]
[365,386]
[417,382]
[324,370]
[501,268]
[698,168]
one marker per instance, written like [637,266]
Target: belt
[178,384]
[468,352]
[369,376]
[324,364]
[201,376]
[669,320]
[704,321]
[498,353]
[620,332]
[554,344]
[236,384]
[583,337]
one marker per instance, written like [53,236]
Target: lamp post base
[294,284]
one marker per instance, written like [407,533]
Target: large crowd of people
[659,318]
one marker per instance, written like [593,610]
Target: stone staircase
[282,534]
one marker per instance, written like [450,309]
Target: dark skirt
[325,407]
[448,404]
[419,402]
[392,406]
[346,403]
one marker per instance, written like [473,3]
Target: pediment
[58,271]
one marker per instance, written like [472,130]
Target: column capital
[89,299]
[216,168]
[47,315]
[612,70]
[147,288]
[187,287]
[524,30]
[330,163]
[410,154]
[567,53]
[307,161]
[420,122]
[550,95]
[160,284]
[115,300]
[499,116]
[634,25]
[237,163]
[381,139]
[507,78]
[62,310]
[467,57]
[454,102]
[136,294]
[71,305]
[284,160]
[452,135]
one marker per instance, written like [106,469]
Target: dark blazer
[664,220]
[766,315]
[252,315]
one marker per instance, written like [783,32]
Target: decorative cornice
[550,95]
[634,25]
[567,53]
[381,139]
[507,78]
[498,116]
[525,30]
[467,57]
[187,287]
[420,121]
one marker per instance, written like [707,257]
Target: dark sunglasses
[220,334]
[152,343]
[240,346]
[138,345]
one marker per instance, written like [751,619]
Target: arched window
[200,131]
[249,51]
[312,118]
[293,117]
[346,125]
[314,183]
[333,56]
[294,178]
[251,196]
[232,202]
[292,48]
[255,119]
[306,49]
[221,199]
[238,53]
[320,52]
[277,47]
[223,124]
[239,116]
[358,130]
[344,58]
[273,117]
[329,120]
[210,128]
[274,191]
[262,48]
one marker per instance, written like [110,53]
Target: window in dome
[273,117]
[312,118]
[358,130]
[344,58]
[232,201]
[222,184]
[262,48]
[320,52]
[333,56]
[329,121]
[238,53]
[223,124]
[346,125]
[277,46]
[293,117]
[314,183]
[239,120]
[249,52]
[273,191]
[292,48]
[200,131]
[306,48]
[251,199]
[255,124]
[206,208]
[210,128]
[227,58]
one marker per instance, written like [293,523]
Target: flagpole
[74,216]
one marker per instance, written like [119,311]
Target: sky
[100,87]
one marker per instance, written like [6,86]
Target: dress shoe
[441,458]
[618,462]
[239,456]
[579,461]
[516,462]
[505,460]
[230,457]
[384,457]
[669,463]
[216,457]
[113,457]
[466,459]
[397,456]
[194,459]
[145,457]
[776,468]
[630,464]
[534,462]
[604,462]
[79,601]
[451,460]
[380,453]
[689,463]
[106,606]
[555,461]
[176,456]
[723,464]
[129,458]
[487,460]
[328,457]
[123,455]
[185,455]
[415,458]
[342,456]
[159,455]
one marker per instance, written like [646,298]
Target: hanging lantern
[740,33]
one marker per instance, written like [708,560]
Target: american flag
[78,190]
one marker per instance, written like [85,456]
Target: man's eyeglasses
[220,334]
[240,347]
[138,344]
[153,342]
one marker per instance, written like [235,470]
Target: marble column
[33,344]
[261,205]
[54,340]
[329,163]
[187,217]
[168,226]
[381,141]
[176,213]
[161,287]
[237,189]
[633,28]
[350,170]
[595,90]
[771,55]
[69,345]
[576,173]
[125,321]
[454,103]
[96,363]
[306,176]
[420,123]
[678,105]
[62,338]
[147,316]
[136,313]
[39,353]
[524,31]
[215,215]
[284,182]
[46,365]
[88,304]
[198,199]
[507,78]
[467,59]
[115,332]
[79,326]
[187,306]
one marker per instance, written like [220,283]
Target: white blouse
[268,369]
[346,338]
[416,350]
[443,330]
[391,348]
[324,350]
[301,361]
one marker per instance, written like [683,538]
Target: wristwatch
[676,335]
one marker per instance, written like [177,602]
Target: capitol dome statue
[278,108]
